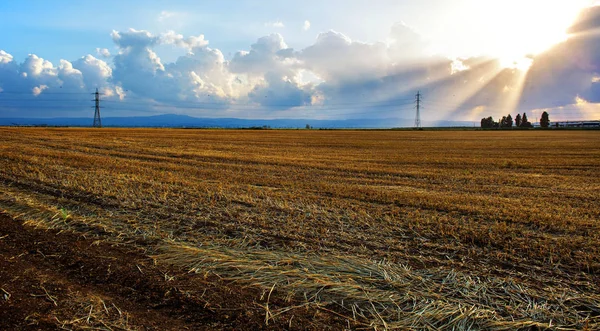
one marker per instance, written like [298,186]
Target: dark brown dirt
[51,280]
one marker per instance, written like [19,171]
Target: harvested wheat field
[139,229]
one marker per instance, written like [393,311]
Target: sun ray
[589,110]
[579,110]
[513,93]
[433,72]
[588,33]
[478,78]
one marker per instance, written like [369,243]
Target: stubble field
[302,229]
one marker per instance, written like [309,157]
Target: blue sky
[67,29]
[295,58]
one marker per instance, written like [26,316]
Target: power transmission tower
[97,120]
[418,115]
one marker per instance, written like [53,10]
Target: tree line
[519,122]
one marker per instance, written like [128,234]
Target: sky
[327,59]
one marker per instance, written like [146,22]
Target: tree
[518,120]
[509,121]
[503,122]
[308,127]
[488,123]
[545,120]
[525,122]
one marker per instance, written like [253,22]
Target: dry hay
[334,223]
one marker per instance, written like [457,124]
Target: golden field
[491,230]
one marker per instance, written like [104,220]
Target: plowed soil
[51,280]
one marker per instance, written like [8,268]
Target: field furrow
[494,230]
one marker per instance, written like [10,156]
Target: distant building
[576,124]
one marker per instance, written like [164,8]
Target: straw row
[379,294]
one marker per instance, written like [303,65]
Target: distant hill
[182,121]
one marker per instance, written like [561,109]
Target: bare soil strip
[51,280]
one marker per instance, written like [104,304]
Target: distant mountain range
[182,121]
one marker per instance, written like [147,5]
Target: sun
[522,63]
[507,34]
[532,27]
[514,31]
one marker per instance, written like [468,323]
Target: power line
[333,108]
[43,93]
[207,104]
[199,104]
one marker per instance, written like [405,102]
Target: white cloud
[69,77]
[306,26]
[5,57]
[458,66]
[203,75]
[137,67]
[406,45]
[132,38]
[95,72]
[165,15]
[270,74]
[38,89]
[35,66]
[267,54]
[170,37]
[199,76]
[335,57]
[9,70]
[280,92]
[103,52]
[275,24]
[333,70]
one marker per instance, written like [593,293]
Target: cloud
[203,76]
[306,26]
[265,75]
[273,69]
[335,57]
[589,19]
[103,52]
[38,89]
[335,76]
[95,72]
[267,54]
[200,76]
[170,37]
[280,92]
[35,66]
[275,24]
[165,15]
[9,70]
[5,57]
[569,69]
[134,39]
[70,77]
[137,67]
[269,75]
[406,45]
